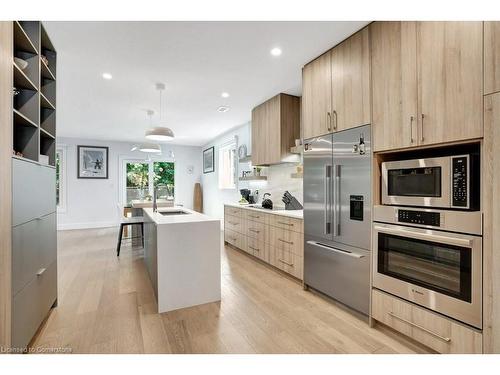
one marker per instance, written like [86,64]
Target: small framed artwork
[93,162]
[208,160]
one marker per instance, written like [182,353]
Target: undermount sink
[171,213]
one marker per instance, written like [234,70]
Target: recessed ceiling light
[107,75]
[222,109]
[276,51]
[225,95]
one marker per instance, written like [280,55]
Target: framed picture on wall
[93,162]
[208,160]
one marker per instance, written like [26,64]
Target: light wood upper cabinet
[426,82]
[317,97]
[450,73]
[351,82]
[394,84]
[491,57]
[275,126]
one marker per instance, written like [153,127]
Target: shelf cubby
[48,146]
[48,120]
[26,140]
[27,36]
[22,81]
[48,92]
[26,103]
[48,50]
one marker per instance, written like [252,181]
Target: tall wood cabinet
[28,181]
[491,57]
[275,126]
[336,88]
[427,83]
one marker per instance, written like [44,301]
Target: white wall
[278,181]
[93,203]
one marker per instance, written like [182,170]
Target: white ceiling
[196,60]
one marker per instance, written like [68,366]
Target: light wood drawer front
[287,223]
[385,308]
[287,240]
[236,239]
[286,261]
[256,216]
[234,223]
[428,328]
[233,211]
[257,230]
[258,248]
[31,305]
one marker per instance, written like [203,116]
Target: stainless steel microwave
[442,182]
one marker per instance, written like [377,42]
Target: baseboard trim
[91,225]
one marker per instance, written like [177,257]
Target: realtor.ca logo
[34,350]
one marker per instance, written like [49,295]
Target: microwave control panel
[460,181]
[419,217]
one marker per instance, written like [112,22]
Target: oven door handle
[425,236]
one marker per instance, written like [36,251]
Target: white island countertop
[297,214]
[189,217]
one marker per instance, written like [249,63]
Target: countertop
[190,217]
[138,203]
[297,214]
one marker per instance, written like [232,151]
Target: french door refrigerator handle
[342,252]
[336,201]
[328,181]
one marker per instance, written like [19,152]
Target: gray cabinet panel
[33,191]
[34,246]
[31,305]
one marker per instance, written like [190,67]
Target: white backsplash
[278,181]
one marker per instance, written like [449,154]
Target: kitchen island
[182,256]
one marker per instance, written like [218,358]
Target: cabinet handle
[285,262]
[422,135]
[40,271]
[335,120]
[329,121]
[288,242]
[283,223]
[253,248]
[445,339]
[254,217]
[233,223]
[411,128]
[253,230]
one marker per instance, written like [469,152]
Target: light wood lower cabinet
[275,239]
[435,331]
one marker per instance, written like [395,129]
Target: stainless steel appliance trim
[426,236]
[469,313]
[446,186]
[467,222]
[445,339]
[343,252]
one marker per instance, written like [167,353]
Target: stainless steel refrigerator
[337,215]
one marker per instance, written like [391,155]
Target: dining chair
[128,221]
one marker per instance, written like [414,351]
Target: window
[61,179]
[141,177]
[227,166]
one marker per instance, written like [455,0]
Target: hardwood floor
[106,305]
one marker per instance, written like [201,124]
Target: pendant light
[148,147]
[160,133]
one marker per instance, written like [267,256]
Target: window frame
[62,150]
[124,160]
[231,145]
